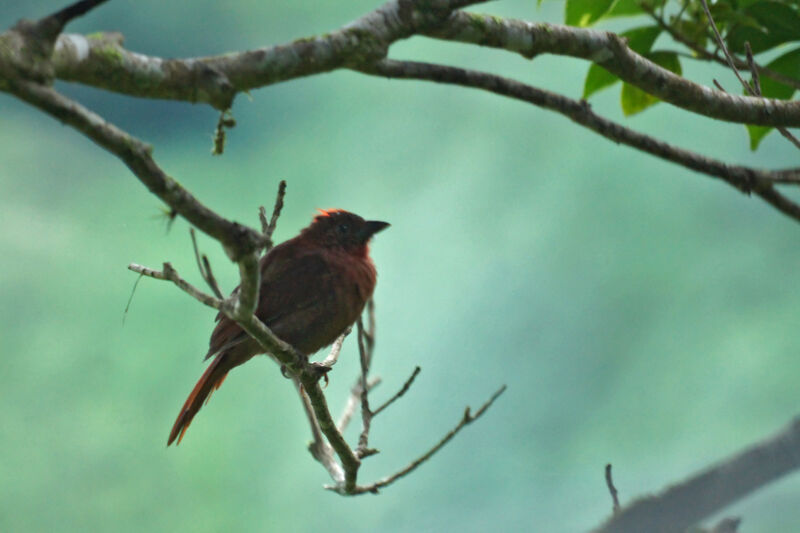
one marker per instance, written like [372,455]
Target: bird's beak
[371,227]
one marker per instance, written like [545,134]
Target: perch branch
[242,244]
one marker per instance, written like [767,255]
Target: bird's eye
[343,228]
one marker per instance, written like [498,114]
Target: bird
[313,288]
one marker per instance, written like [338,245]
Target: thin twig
[225,122]
[130,298]
[319,447]
[753,70]
[235,238]
[64,16]
[354,400]
[467,419]
[702,53]
[732,64]
[745,179]
[170,274]
[204,266]
[333,355]
[721,44]
[365,357]
[268,228]
[399,393]
[612,489]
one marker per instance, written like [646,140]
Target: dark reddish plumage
[313,287]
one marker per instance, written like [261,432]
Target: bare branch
[268,228]
[753,70]
[721,44]
[365,358]
[237,240]
[217,79]
[467,419]
[611,52]
[170,274]
[225,122]
[204,266]
[333,355]
[398,394]
[348,458]
[75,10]
[707,492]
[319,448]
[354,400]
[745,179]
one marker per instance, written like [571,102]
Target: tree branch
[467,419]
[707,492]
[268,228]
[204,266]
[703,54]
[398,394]
[754,90]
[611,52]
[102,62]
[170,274]
[745,179]
[238,240]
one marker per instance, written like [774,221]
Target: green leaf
[639,39]
[788,64]
[777,23]
[633,99]
[596,79]
[624,8]
[757,134]
[585,12]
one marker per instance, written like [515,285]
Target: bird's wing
[290,283]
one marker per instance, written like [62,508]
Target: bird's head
[339,229]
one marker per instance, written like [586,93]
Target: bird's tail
[210,381]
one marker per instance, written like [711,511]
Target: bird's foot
[319,371]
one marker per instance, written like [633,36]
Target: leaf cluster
[771,27]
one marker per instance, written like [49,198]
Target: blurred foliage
[769,26]
[641,314]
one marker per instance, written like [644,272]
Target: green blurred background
[641,314]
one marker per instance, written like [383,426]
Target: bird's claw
[319,371]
